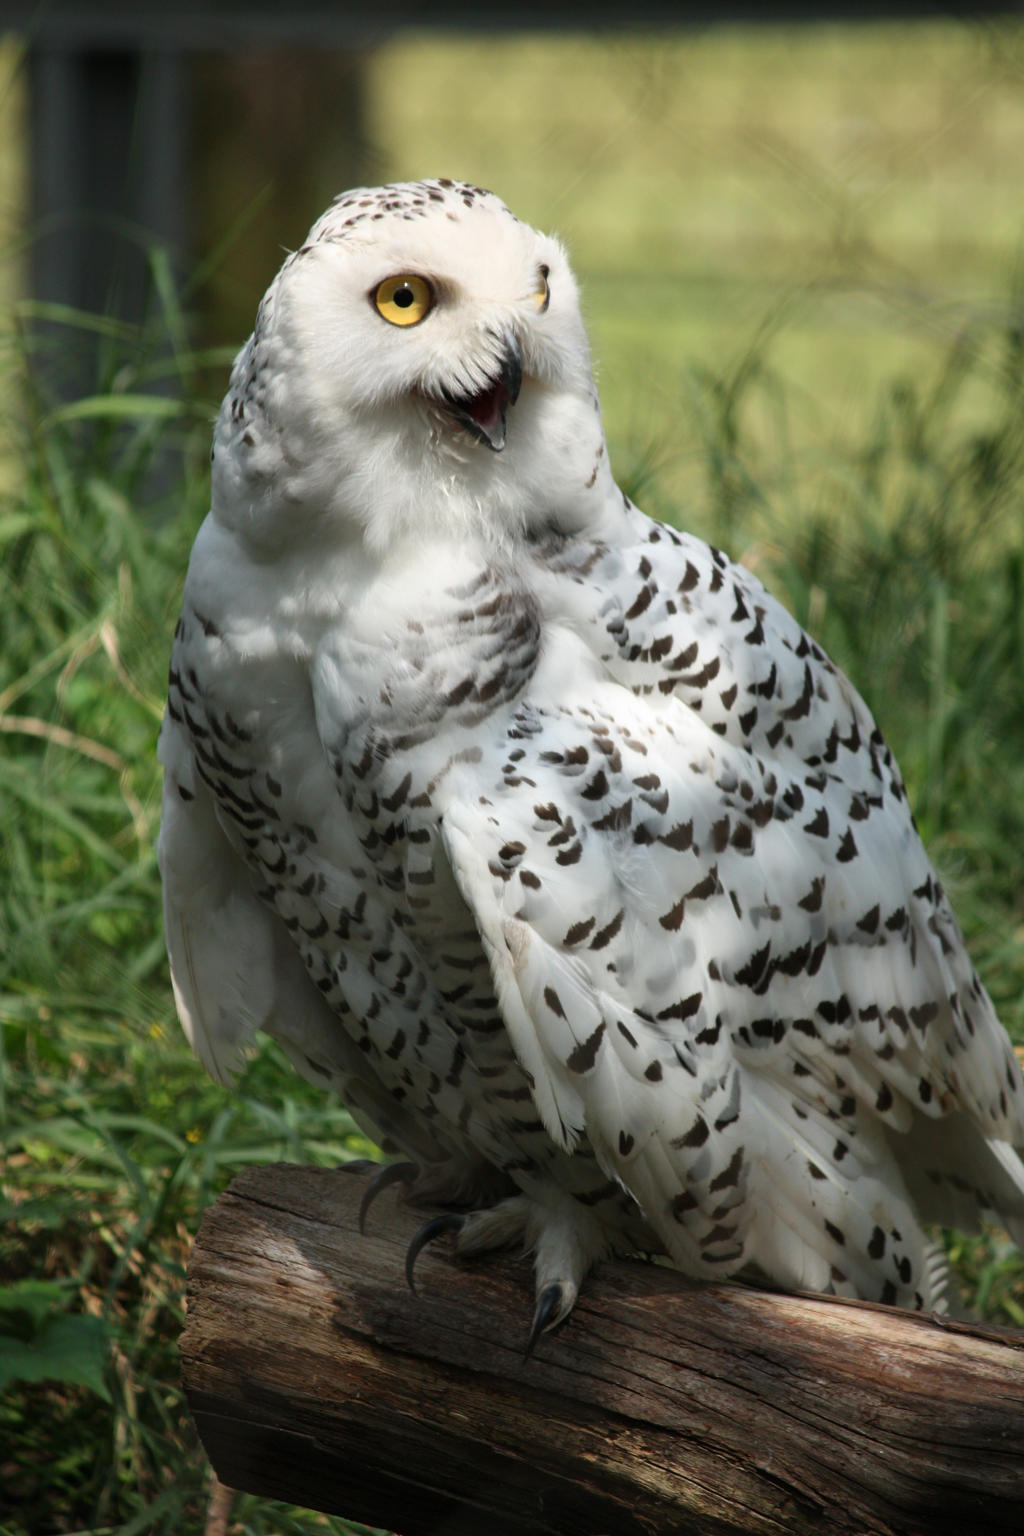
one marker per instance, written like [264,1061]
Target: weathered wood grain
[316,1376]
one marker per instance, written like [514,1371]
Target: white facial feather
[338,411]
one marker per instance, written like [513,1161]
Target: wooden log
[661,1406]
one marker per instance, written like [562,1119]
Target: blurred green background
[801,259]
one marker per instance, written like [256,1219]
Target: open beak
[483,414]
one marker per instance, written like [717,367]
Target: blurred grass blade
[126,407]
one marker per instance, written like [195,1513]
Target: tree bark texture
[661,1406]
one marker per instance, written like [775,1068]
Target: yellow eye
[542,293]
[404,300]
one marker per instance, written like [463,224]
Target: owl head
[419,364]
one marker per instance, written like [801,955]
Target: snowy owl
[539,831]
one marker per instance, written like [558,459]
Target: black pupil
[403,297]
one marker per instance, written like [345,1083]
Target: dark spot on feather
[605,935]
[696,1136]
[585,1054]
[597,788]
[641,602]
[847,849]
[729,1175]
[685,1009]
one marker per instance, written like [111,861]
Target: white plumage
[537,830]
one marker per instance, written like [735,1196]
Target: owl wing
[220,938]
[680,623]
[235,966]
[718,945]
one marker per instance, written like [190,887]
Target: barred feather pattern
[540,831]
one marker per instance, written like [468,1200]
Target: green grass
[112,1142]
[861,184]
[870,469]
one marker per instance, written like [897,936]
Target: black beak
[484,414]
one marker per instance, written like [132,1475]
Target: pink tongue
[486,408]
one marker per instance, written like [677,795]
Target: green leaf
[31,1302]
[66,1349]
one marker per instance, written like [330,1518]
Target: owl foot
[548,1313]
[381,1179]
[564,1241]
[449,1182]
[450,1221]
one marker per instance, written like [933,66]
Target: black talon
[391,1173]
[450,1221]
[549,1304]
[358,1165]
